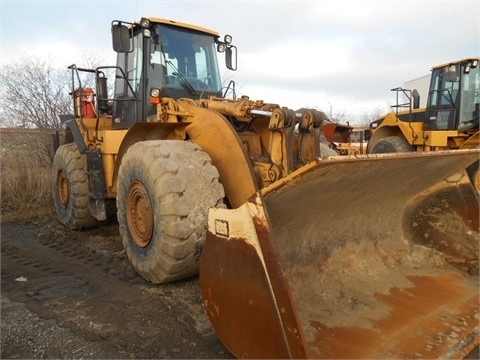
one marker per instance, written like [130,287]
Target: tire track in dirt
[84,282]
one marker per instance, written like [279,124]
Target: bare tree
[33,94]
[369,117]
[340,116]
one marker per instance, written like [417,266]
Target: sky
[341,57]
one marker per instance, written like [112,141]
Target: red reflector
[154,100]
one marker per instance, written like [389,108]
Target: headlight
[154,96]
[145,23]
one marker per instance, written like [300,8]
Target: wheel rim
[139,214]
[62,189]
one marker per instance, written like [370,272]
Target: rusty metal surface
[334,132]
[425,319]
[245,294]
[361,285]
[327,264]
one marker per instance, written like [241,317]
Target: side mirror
[229,50]
[367,134]
[231,57]
[416,99]
[121,39]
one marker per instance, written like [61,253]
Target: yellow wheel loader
[299,254]
[450,119]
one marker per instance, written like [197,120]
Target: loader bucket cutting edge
[372,256]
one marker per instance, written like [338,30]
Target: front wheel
[391,144]
[165,189]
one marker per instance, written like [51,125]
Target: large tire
[165,189]
[70,189]
[391,144]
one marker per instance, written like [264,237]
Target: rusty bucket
[371,256]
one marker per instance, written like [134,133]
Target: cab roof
[180,24]
[456,62]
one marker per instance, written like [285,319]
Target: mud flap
[323,264]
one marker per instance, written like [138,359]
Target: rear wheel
[165,189]
[70,188]
[391,144]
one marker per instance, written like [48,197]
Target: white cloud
[299,59]
[347,54]
[347,11]
[59,53]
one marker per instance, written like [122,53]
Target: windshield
[186,58]
[454,96]
[469,98]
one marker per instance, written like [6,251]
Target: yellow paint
[111,140]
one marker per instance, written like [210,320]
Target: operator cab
[173,59]
[454,96]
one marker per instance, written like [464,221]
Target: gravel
[24,335]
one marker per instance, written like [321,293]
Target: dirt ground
[74,295]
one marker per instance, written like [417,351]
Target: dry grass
[26,190]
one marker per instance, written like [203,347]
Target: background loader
[299,255]
[449,121]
